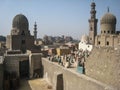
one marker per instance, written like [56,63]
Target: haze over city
[56,17]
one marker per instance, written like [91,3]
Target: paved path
[36,84]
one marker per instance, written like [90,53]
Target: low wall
[67,79]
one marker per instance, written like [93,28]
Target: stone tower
[92,24]
[35,31]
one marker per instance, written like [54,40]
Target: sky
[56,17]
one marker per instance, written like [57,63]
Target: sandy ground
[36,84]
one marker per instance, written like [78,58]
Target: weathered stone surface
[1,76]
[104,65]
[71,79]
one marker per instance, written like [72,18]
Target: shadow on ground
[35,84]
[24,85]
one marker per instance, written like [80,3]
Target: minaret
[92,24]
[35,31]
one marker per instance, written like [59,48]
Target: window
[108,31]
[23,33]
[98,42]
[101,31]
[91,28]
[104,31]
[107,43]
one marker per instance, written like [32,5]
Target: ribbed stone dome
[108,18]
[20,22]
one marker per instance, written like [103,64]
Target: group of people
[74,59]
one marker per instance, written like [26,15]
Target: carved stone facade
[107,40]
[92,24]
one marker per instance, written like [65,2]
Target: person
[59,59]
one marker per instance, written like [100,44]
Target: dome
[20,22]
[84,38]
[108,18]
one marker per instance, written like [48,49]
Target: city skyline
[56,17]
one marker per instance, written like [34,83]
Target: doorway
[24,69]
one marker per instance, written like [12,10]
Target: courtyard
[35,84]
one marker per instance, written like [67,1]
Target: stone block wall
[12,62]
[103,64]
[1,76]
[35,65]
[70,80]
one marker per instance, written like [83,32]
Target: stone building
[104,60]
[1,72]
[108,36]
[20,37]
[84,44]
[22,58]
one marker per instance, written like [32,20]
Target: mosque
[23,58]
[108,37]
[20,37]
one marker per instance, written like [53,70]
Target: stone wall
[103,64]
[35,65]
[107,40]
[1,76]
[69,79]
[12,62]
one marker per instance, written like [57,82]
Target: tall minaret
[92,24]
[35,31]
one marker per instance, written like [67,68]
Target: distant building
[63,50]
[84,44]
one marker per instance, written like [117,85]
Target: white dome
[85,38]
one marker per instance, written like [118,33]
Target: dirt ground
[36,84]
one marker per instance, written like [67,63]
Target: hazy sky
[56,17]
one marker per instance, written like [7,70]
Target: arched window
[104,31]
[91,28]
[107,43]
[98,42]
[23,33]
